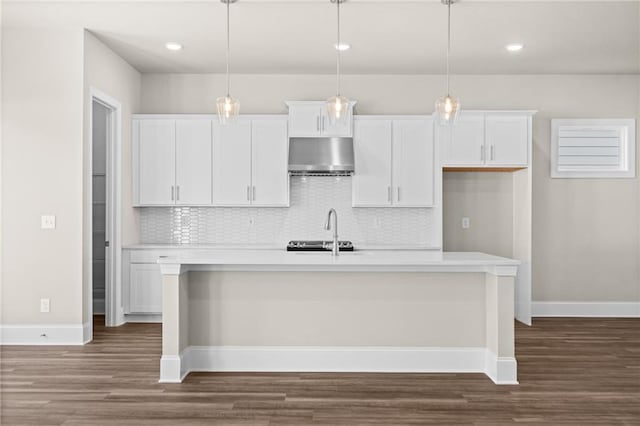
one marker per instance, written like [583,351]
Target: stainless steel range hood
[322,156]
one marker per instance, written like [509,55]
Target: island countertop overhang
[358,261]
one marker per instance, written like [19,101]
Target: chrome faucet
[335,249]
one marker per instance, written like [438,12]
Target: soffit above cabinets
[387,37]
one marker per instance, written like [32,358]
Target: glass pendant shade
[228,109]
[447,109]
[337,109]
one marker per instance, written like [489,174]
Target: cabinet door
[507,140]
[304,120]
[338,129]
[145,288]
[413,162]
[372,150]
[269,159]
[232,164]
[463,143]
[193,162]
[156,162]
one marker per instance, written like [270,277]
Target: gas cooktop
[318,245]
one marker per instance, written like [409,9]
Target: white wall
[41,174]
[44,138]
[586,243]
[110,74]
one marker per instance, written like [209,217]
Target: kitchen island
[366,311]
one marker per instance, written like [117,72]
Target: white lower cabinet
[395,162]
[142,281]
[145,288]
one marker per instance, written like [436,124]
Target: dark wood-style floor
[571,371]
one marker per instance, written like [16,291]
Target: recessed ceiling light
[173,46]
[514,47]
[342,46]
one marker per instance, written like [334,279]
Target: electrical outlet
[47,221]
[466,223]
[45,305]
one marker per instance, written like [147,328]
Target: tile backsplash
[311,198]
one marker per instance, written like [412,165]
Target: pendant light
[228,107]
[447,107]
[338,106]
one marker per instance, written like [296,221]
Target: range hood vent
[321,156]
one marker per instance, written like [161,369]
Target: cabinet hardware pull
[178,193]
[398,194]
[172,196]
[492,151]
[253,193]
[318,123]
[248,193]
[388,193]
[322,124]
[482,153]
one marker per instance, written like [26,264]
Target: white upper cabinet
[463,143]
[487,139]
[507,139]
[172,161]
[232,163]
[155,149]
[304,120]
[413,162]
[310,119]
[372,140]
[193,162]
[250,162]
[269,162]
[395,162]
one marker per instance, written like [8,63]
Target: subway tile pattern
[311,198]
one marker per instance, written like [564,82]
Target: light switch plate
[47,221]
[466,223]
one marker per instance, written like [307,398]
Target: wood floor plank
[571,372]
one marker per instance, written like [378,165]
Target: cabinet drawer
[150,256]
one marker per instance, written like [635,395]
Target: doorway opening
[101,116]
[103,214]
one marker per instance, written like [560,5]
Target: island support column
[175,325]
[500,363]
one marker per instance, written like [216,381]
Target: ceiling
[387,37]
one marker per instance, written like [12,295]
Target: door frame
[114,314]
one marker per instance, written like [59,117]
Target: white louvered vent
[584,148]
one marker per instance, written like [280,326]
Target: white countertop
[358,261]
[257,247]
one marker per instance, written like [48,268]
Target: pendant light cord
[338,51]
[448,39]
[228,55]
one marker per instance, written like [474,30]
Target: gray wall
[586,243]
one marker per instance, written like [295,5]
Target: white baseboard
[172,369]
[43,334]
[502,370]
[586,309]
[146,318]
[337,359]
